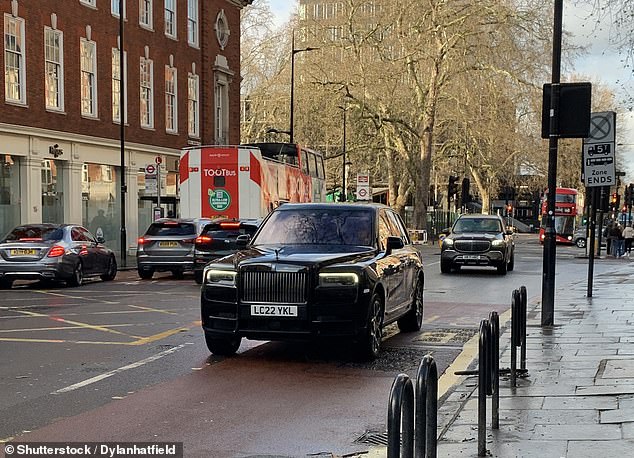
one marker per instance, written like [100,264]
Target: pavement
[577,399]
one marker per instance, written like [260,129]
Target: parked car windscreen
[229,230]
[35,233]
[171,229]
[477,225]
[317,226]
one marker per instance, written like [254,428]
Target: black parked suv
[478,240]
[218,239]
[316,271]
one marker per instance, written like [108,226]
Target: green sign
[219,199]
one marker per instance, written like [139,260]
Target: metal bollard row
[518,332]
[488,377]
[416,417]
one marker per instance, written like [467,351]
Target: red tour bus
[565,214]
[248,181]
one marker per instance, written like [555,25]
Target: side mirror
[101,240]
[243,240]
[394,243]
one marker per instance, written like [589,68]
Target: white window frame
[20,52]
[143,13]
[192,23]
[116,85]
[60,70]
[92,74]
[146,90]
[193,105]
[170,23]
[221,111]
[171,100]
[91,3]
[114,8]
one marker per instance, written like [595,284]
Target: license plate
[274,310]
[471,257]
[23,252]
[168,244]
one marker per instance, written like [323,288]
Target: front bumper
[488,258]
[324,316]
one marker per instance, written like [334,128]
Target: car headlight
[220,277]
[327,279]
[447,241]
[498,243]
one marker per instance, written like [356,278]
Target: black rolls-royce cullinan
[318,270]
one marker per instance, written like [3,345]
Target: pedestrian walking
[628,235]
[616,233]
[609,237]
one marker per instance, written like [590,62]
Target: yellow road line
[89,342]
[67,296]
[468,354]
[432,319]
[150,309]
[8,439]
[161,335]
[57,328]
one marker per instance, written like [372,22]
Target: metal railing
[488,377]
[412,421]
[518,333]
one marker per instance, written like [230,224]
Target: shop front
[101,212]
[9,193]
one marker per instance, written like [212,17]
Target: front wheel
[369,344]
[412,321]
[111,271]
[502,268]
[511,265]
[445,267]
[78,276]
[581,243]
[222,346]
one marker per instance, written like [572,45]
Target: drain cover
[373,438]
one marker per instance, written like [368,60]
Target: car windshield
[318,226]
[35,233]
[171,229]
[477,225]
[229,230]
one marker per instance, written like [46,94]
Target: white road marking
[106,375]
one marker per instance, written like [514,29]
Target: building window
[147,89]
[221,116]
[145,13]
[89,2]
[192,106]
[116,86]
[171,113]
[88,57]
[14,63]
[114,8]
[54,69]
[192,22]
[170,18]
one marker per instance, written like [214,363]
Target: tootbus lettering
[219,173]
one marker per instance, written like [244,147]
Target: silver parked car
[168,246]
[52,252]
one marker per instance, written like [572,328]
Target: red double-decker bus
[565,214]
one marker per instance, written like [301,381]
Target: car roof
[332,205]
[479,216]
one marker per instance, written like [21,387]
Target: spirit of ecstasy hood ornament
[277,254]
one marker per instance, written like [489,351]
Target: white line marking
[106,375]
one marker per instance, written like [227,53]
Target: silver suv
[478,240]
[168,245]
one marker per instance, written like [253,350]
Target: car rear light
[203,240]
[140,241]
[56,251]
[30,239]
[230,225]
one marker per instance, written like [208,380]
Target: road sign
[363,186]
[150,169]
[158,159]
[602,127]
[598,164]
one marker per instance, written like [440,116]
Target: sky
[601,64]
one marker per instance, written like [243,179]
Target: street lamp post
[124,189]
[343,170]
[293,52]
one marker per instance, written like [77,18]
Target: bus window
[320,167]
[304,162]
[313,165]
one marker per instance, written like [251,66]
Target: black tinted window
[43,233]
[171,229]
[477,225]
[223,232]
[318,226]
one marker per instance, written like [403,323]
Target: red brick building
[60,107]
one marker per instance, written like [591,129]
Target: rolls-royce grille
[275,287]
[471,246]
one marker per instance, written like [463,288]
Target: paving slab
[575,431]
[580,402]
[605,390]
[617,416]
[592,449]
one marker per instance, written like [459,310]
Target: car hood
[474,236]
[300,255]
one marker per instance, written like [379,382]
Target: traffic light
[629,194]
[614,201]
[452,188]
[509,209]
[466,184]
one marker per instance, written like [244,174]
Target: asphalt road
[126,361]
